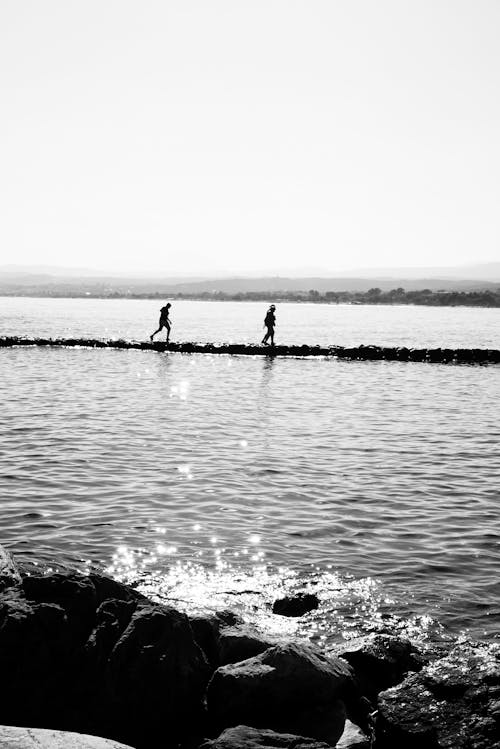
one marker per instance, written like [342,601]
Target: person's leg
[272,336]
[168,332]
[264,340]
[160,328]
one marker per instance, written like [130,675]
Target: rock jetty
[86,654]
[356,353]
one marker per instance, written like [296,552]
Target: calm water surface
[225,481]
[241,322]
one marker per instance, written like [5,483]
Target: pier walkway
[363,353]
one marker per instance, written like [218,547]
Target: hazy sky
[249,135]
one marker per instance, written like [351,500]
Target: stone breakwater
[87,654]
[358,353]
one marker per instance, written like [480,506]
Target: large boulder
[225,638]
[245,737]
[36,652]
[74,592]
[12,737]
[157,669]
[288,688]
[453,703]
[241,642]
[88,654]
[380,661]
[106,588]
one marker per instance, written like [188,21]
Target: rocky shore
[356,353]
[86,654]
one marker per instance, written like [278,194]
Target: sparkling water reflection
[201,477]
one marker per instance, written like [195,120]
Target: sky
[249,136]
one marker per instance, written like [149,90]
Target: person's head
[272,307]
[168,304]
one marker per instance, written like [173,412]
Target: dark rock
[245,737]
[380,661]
[224,638]
[241,642]
[12,737]
[36,650]
[9,571]
[157,671]
[389,354]
[296,605]
[362,352]
[106,588]
[434,354]
[291,688]
[76,594]
[448,355]
[206,634]
[112,618]
[451,704]
[120,667]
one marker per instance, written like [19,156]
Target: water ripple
[378,478]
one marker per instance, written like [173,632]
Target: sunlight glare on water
[228,482]
[348,607]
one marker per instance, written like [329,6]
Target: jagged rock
[76,594]
[241,642]
[224,638]
[206,634]
[353,738]
[106,588]
[228,618]
[471,356]
[453,703]
[288,688]
[34,649]
[380,661]
[112,618]
[9,572]
[245,737]
[297,605]
[158,671]
[12,737]
[121,667]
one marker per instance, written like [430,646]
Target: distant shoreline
[426,297]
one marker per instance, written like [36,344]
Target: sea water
[225,482]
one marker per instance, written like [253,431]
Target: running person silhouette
[269,323]
[164,322]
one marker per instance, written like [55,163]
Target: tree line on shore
[440,298]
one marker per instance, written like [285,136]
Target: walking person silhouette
[269,323]
[165,322]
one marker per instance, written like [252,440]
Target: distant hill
[471,272]
[35,282]
[279,284]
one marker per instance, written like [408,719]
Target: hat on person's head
[272,306]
